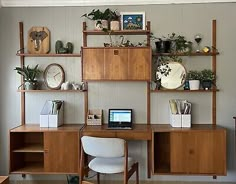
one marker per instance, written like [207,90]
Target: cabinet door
[116,64]
[139,63]
[61,152]
[198,152]
[93,63]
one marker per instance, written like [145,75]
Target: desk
[139,132]
[4,180]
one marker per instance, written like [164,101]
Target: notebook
[120,119]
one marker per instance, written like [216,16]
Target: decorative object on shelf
[95,117]
[65,85]
[82,86]
[206,49]
[207,78]
[132,20]
[54,76]
[59,49]
[38,40]
[29,77]
[194,78]
[198,39]
[175,78]
[72,179]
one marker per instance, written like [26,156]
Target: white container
[186,120]
[49,120]
[194,84]
[175,120]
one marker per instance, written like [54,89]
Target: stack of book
[180,113]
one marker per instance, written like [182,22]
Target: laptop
[120,119]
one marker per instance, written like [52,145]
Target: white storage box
[175,120]
[49,118]
[186,120]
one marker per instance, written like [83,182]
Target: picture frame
[133,21]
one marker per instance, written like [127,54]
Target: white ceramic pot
[100,24]
[194,84]
[115,25]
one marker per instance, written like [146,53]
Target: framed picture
[132,20]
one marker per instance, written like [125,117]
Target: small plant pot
[115,25]
[206,85]
[30,85]
[163,46]
[194,84]
[101,24]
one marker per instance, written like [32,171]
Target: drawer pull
[116,52]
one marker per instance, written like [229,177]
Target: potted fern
[207,78]
[29,76]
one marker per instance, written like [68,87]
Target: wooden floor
[120,182]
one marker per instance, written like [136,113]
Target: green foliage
[207,75]
[194,75]
[28,73]
[97,14]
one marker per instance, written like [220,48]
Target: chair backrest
[103,147]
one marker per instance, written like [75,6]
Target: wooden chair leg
[98,178]
[137,175]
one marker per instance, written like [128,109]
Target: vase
[194,84]
[115,25]
[31,85]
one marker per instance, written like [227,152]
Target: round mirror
[172,75]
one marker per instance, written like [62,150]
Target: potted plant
[29,76]
[114,19]
[207,78]
[100,18]
[194,78]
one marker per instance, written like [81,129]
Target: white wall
[65,23]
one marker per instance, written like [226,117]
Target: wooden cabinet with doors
[116,63]
[198,150]
[35,150]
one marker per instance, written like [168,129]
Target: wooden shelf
[122,32]
[51,90]
[48,55]
[187,54]
[30,167]
[183,91]
[32,148]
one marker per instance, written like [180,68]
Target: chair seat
[109,165]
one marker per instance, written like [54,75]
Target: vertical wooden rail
[22,62]
[214,70]
[149,148]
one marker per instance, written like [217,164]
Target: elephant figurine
[69,47]
[58,46]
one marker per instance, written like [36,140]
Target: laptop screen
[120,115]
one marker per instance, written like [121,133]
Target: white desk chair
[110,157]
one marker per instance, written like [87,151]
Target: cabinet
[35,150]
[116,63]
[199,150]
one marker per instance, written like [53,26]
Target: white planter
[115,25]
[194,84]
[100,24]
